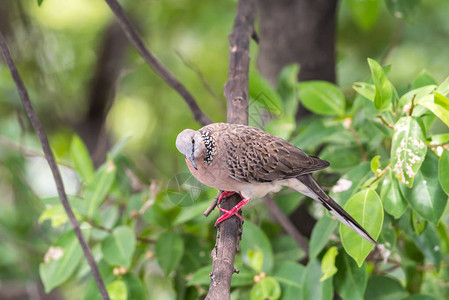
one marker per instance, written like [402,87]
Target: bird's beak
[192,160]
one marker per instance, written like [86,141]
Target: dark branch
[157,66]
[286,224]
[51,162]
[236,93]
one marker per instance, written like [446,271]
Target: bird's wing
[253,155]
[319,195]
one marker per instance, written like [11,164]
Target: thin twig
[212,205]
[157,65]
[385,122]
[51,162]
[286,224]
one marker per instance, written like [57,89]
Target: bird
[242,159]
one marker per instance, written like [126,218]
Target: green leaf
[366,208]
[159,287]
[255,240]
[255,259]
[118,247]
[285,248]
[328,263]
[117,290]
[169,251]
[39,2]
[288,89]
[290,276]
[403,9]
[427,197]
[384,288]
[322,97]
[375,164]
[408,149]
[365,89]
[320,235]
[423,79]
[81,159]
[282,127]
[261,91]
[99,187]
[438,104]
[350,183]
[312,287]
[364,12]
[392,199]
[134,288]
[350,280]
[443,88]
[201,276]
[443,171]
[384,90]
[266,289]
[60,261]
[315,134]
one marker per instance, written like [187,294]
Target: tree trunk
[298,31]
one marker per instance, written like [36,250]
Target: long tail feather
[317,193]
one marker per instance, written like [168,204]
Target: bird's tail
[317,193]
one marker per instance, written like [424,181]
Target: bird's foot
[225,194]
[232,211]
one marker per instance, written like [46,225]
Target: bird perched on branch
[249,161]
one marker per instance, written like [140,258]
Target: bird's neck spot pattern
[209,144]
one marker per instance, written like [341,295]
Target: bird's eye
[193,141]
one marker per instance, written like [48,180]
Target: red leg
[225,194]
[232,211]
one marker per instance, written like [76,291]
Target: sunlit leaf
[119,246]
[384,90]
[99,187]
[328,263]
[350,280]
[117,290]
[375,164]
[364,12]
[438,104]
[392,199]
[266,289]
[443,171]
[408,149]
[443,88]
[322,97]
[366,208]
[60,261]
[367,90]
[169,251]
[427,197]
[81,159]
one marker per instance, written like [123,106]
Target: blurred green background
[57,47]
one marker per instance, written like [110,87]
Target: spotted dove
[247,160]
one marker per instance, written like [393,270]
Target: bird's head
[190,143]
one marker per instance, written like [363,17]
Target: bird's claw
[227,215]
[225,194]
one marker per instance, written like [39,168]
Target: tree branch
[51,162]
[236,93]
[157,66]
[285,222]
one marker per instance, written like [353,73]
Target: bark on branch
[51,162]
[158,67]
[236,93]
